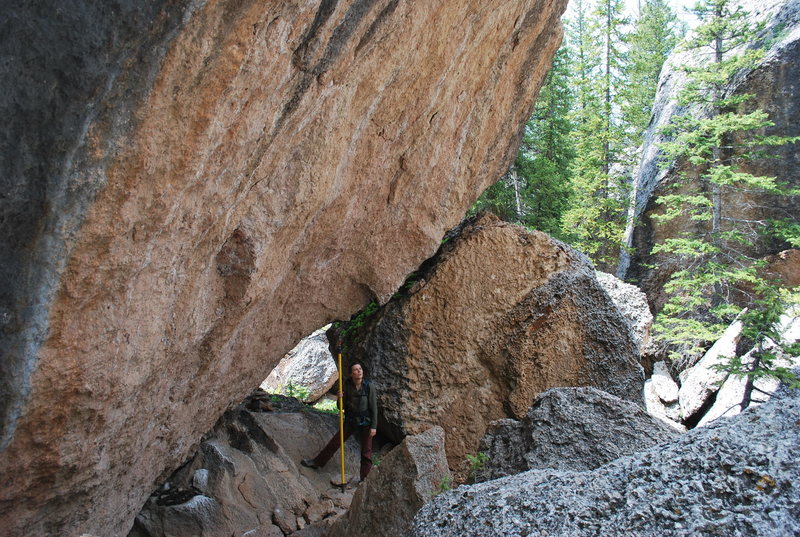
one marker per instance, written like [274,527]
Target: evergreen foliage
[571,178]
[655,33]
[536,190]
[719,274]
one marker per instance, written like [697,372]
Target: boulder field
[190,187]
[737,477]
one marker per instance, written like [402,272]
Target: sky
[679,6]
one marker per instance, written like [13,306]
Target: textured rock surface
[775,87]
[190,187]
[245,477]
[500,315]
[737,477]
[570,429]
[408,476]
[309,366]
[632,303]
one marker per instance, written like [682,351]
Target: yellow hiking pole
[341,421]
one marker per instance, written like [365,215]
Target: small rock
[285,521]
[319,510]
[665,387]
[200,479]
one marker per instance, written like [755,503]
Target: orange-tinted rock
[785,266]
[199,185]
[500,315]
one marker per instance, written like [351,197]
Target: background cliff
[774,85]
[189,187]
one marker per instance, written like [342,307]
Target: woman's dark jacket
[361,406]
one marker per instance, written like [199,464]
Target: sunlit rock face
[190,187]
[498,316]
[774,85]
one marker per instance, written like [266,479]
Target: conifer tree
[595,221]
[655,33]
[536,190]
[715,140]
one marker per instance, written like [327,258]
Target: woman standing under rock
[361,417]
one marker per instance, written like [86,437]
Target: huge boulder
[735,478]
[408,477]
[190,187]
[570,429]
[498,316]
[774,87]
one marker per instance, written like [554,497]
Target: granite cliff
[774,86]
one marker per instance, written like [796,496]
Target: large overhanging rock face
[775,90]
[193,186]
[498,316]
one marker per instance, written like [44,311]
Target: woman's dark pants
[366,447]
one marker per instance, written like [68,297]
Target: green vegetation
[570,177]
[355,323]
[476,464]
[445,484]
[294,390]
[327,405]
[720,274]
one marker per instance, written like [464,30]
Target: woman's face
[356,373]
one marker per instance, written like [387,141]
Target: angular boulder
[632,303]
[407,477]
[736,478]
[190,187]
[309,366]
[701,381]
[498,316]
[570,429]
[661,396]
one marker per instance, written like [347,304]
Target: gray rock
[701,381]
[408,477]
[309,366]
[663,384]
[737,477]
[632,303]
[570,429]
[669,413]
[245,480]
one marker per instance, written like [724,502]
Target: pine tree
[719,274]
[595,221]
[655,33]
[536,190]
